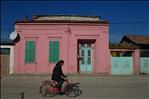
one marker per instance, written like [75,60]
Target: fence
[144,65]
[122,65]
[144,61]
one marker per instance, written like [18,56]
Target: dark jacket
[57,73]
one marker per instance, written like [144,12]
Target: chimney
[26,18]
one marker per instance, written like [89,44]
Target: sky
[125,17]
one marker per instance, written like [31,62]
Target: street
[103,87]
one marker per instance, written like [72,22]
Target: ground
[93,87]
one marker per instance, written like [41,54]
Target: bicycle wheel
[74,91]
[44,90]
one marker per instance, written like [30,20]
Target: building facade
[81,41]
[142,43]
[6,57]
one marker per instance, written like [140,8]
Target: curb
[74,76]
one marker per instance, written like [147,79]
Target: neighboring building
[142,42]
[7,56]
[81,41]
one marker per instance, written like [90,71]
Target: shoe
[61,93]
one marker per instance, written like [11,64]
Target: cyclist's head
[60,62]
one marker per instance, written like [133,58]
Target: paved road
[134,87]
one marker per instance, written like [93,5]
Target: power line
[130,22]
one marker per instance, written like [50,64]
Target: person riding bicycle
[58,76]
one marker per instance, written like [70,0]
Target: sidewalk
[73,76]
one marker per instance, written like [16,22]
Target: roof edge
[31,21]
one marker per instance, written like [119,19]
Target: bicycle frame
[55,89]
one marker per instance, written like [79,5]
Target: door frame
[11,57]
[93,42]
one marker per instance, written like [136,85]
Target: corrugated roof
[122,46]
[138,39]
[66,18]
[63,19]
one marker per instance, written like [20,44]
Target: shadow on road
[73,90]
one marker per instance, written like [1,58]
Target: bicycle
[48,88]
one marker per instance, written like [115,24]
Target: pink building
[81,41]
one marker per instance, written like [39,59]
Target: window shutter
[27,52]
[56,51]
[53,51]
[30,52]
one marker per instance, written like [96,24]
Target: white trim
[11,65]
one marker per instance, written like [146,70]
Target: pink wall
[68,35]
[136,61]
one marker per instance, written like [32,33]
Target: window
[30,52]
[89,56]
[5,51]
[82,53]
[53,51]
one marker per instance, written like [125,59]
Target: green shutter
[30,52]
[27,52]
[53,51]
[56,51]
[27,57]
